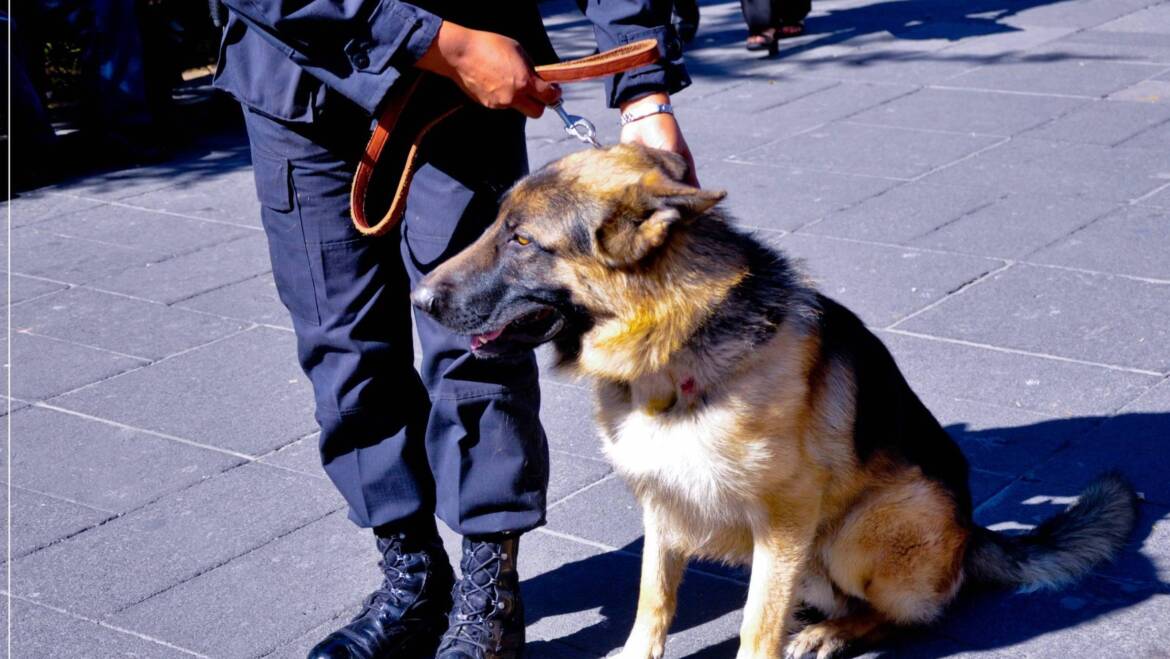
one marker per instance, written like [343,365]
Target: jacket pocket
[286,236]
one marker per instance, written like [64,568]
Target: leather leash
[426,99]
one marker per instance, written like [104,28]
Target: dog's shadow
[1056,458]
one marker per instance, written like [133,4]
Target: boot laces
[393,564]
[478,601]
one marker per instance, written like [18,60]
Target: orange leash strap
[424,101]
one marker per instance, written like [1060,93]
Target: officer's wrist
[443,55]
[646,100]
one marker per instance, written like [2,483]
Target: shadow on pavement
[875,25]
[981,618]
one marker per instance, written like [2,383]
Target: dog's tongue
[480,340]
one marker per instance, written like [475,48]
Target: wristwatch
[645,111]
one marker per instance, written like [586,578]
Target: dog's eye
[521,240]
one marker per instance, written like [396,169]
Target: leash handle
[402,124]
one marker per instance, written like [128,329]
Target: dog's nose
[423,298]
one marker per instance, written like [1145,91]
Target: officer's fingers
[545,92]
[531,107]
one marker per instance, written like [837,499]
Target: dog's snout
[423,298]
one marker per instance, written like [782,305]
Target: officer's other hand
[492,69]
[660,131]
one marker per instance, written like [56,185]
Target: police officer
[460,437]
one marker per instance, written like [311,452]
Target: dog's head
[570,242]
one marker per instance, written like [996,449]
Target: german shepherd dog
[756,420]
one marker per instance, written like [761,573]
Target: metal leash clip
[577,126]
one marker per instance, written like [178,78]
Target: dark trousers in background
[763,14]
[460,437]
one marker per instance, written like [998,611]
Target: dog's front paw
[817,641]
[641,651]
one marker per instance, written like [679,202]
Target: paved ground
[986,183]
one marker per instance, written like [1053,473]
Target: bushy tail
[1062,549]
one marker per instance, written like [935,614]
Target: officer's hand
[490,68]
[660,131]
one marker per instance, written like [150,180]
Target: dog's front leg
[777,558]
[662,570]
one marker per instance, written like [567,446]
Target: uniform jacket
[289,58]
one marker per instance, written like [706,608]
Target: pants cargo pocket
[286,236]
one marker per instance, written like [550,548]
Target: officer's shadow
[594,599]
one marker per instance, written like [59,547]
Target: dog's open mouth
[525,331]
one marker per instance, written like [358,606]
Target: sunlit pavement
[984,182]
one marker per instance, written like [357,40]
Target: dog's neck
[683,333]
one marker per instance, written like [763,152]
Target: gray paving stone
[1132,442]
[850,148]
[1004,440]
[314,573]
[114,185]
[32,207]
[155,548]
[143,329]
[227,197]
[882,284]
[1058,312]
[986,48]
[1014,226]
[39,520]
[968,111]
[569,473]
[937,368]
[903,213]
[1097,44]
[786,198]
[44,367]
[156,233]
[709,127]
[1156,138]
[1089,78]
[194,273]
[245,393]
[1146,91]
[253,299]
[27,288]
[893,65]
[606,513]
[1080,15]
[755,96]
[1097,618]
[71,260]
[1131,241]
[566,412]
[43,633]
[1153,20]
[100,465]
[302,455]
[1103,122]
[1060,168]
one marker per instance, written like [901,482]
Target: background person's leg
[758,14]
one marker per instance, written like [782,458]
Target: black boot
[487,615]
[407,614]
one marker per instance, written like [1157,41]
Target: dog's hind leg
[662,569]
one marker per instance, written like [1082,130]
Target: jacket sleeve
[357,47]
[618,22]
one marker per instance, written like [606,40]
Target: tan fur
[764,472]
[739,452]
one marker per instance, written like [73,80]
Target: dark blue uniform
[460,437]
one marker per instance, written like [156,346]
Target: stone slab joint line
[1027,353]
[225,561]
[121,204]
[157,361]
[958,290]
[106,625]
[56,339]
[604,479]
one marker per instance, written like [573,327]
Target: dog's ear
[652,208]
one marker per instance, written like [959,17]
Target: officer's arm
[618,22]
[356,47]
